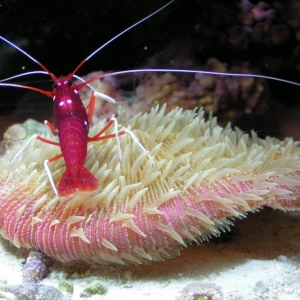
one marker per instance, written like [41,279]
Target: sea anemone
[195,178]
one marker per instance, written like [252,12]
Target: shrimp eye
[70,83]
[55,86]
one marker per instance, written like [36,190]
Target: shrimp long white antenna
[121,33]
[24,74]
[188,71]
[53,77]
[105,97]
[109,99]
[48,94]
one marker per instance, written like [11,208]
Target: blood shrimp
[72,120]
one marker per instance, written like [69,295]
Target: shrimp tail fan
[76,178]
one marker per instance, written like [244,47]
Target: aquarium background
[259,258]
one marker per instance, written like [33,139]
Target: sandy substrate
[260,259]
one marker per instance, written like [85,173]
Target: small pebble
[95,288]
[66,288]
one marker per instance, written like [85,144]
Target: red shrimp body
[72,127]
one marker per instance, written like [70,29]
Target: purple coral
[34,292]
[36,267]
[234,95]
[230,97]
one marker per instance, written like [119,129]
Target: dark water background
[60,34]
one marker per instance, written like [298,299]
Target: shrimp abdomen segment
[73,137]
